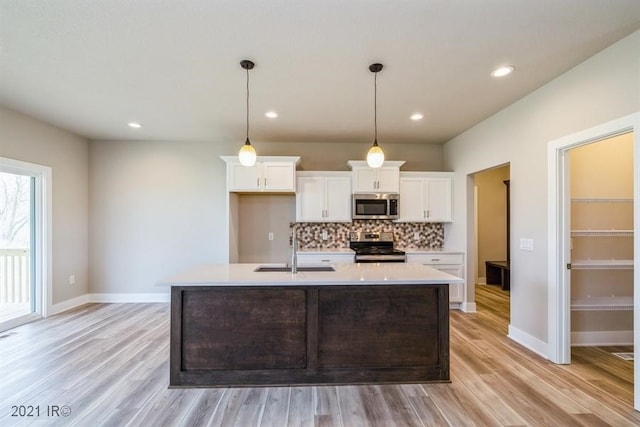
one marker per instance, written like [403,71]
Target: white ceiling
[92,66]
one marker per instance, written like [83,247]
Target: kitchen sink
[284,269]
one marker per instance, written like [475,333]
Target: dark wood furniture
[280,335]
[498,273]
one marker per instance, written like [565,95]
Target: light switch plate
[324,235]
[270,236]
[526,244]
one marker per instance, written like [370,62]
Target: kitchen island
[362,323]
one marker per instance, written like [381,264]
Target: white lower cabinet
[328,258]
[451,262]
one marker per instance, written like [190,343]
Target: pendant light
[247,154]
[375,156]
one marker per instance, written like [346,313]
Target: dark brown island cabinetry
[282,335]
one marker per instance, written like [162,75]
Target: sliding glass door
[17,243]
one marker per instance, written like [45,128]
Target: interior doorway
[560,236]
[492,242]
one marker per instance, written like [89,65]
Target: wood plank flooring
[108,364]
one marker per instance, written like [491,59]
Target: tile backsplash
[429,235]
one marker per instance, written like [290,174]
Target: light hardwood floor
[108,363]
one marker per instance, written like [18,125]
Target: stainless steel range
[375,247]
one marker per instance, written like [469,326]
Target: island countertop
[244,274]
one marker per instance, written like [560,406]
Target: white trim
[558,291]
[529,341]
[601,338]
[468,307]
[130,298]
[69,304]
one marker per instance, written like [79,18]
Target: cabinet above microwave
[385,179]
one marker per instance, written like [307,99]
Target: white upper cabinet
[269,174]
[323,197]
[385,179]
[426,197]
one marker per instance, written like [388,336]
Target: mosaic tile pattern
[430,235]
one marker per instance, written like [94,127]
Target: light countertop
[430,250]
[326,251]
[345,274]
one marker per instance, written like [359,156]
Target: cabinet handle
[265,183]
[424,214]
[258,183]
[427,214]
[435,259]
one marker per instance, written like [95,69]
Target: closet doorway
[567,256]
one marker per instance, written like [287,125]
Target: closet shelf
[602,200]
[608,264]
[602,233]
[602,304]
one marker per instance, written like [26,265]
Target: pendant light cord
[375,107]
[247,104]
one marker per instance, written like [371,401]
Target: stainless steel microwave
[375,205]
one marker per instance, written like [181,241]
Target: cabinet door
[388,180]
[310,194]
[243,178]
[278,176]
[364,180]
[338,199]
[438,204]
[412,206]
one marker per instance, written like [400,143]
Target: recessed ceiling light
[271,114]
[134,125]
[503,71]
[416,116]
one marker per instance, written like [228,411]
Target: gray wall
[157,207]
[603,88]
[29,140]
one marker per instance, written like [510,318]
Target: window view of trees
[14,211]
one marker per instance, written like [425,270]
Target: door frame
[43,218]
[559,298]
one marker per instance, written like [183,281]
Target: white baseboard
[529,341]
[130,298]
[68,304]
[107,298]
[468,307]
[481,281]
[601,338]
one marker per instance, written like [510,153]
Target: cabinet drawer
[435,259]
[325,259]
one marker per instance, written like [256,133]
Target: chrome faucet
[294,253]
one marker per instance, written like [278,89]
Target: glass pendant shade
[375,156]
[247,154]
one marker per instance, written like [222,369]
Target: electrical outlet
[416,236]
[270,235]
[72,279]
[324,235]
